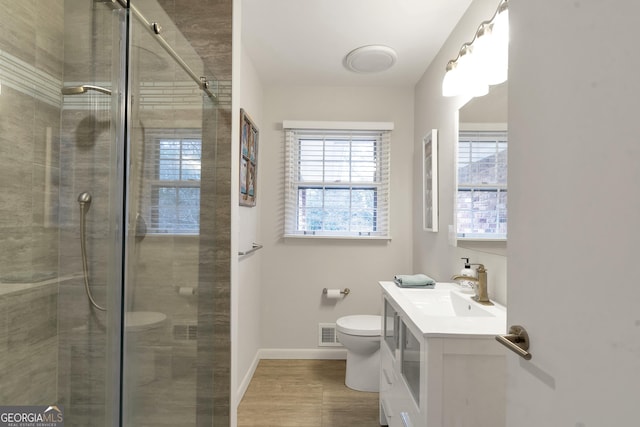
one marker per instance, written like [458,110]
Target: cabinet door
[391,329]
[410,362]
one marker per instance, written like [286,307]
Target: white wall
[574,207]
[294,271]
[432,252]
[249,278]
[246,289]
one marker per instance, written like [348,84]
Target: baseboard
[244,384]
[303,353]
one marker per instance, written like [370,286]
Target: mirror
[481,167]
[491,108]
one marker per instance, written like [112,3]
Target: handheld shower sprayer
[84,198]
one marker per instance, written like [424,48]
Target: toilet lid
[364,325]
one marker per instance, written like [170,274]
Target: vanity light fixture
[370,59]
[470,80]
[483,62]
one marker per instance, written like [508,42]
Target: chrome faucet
[480,287]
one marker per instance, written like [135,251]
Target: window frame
[339,131]
[464,135]
[153,183]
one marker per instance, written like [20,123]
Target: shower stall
[108,136]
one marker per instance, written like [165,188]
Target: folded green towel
[414,280]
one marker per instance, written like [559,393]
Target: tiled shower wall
[208,27]
[31,70]
[29,139]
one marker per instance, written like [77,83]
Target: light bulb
[501,23]
[499,63]
[491,48]
[451,82]
[483,51]
[471,82]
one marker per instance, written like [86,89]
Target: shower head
[78,90]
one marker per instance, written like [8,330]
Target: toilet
[138,321]
[145,334]
[360,334]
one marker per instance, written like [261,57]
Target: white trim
[481,239]
[475,127]
[303,353]
[431,166]
[336,237]
[244,384]
[297,124]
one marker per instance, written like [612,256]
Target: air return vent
[185,332]
[327,335]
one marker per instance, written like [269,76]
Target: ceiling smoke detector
[370,59]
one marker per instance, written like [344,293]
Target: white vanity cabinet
[438,379]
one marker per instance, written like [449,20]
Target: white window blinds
[170,193]
[481,202]
[337,181]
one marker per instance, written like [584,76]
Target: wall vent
[185,332]
[327,336]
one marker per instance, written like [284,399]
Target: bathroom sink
[447,310]
[446,303]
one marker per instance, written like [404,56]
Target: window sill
[310,236]
[480,239]
[172,235]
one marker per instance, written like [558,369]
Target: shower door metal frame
[155,29]
[120,105]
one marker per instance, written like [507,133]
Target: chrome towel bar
[517,340]
[345,292]
[254,247]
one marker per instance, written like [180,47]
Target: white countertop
[430,310]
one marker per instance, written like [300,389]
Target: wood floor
[305,393]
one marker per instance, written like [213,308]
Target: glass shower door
[107,147]
[91,197]
[60,163]
[168,356]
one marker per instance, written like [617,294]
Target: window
[337,183]
[172,197]
[481,202]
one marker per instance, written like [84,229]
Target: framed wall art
[430,181]
[248,160]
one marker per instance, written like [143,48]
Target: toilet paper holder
[345,291]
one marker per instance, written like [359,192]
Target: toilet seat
[135,321]
[365,325]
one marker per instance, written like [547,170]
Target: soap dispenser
[467,271]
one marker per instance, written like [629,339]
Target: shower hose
[83,246]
